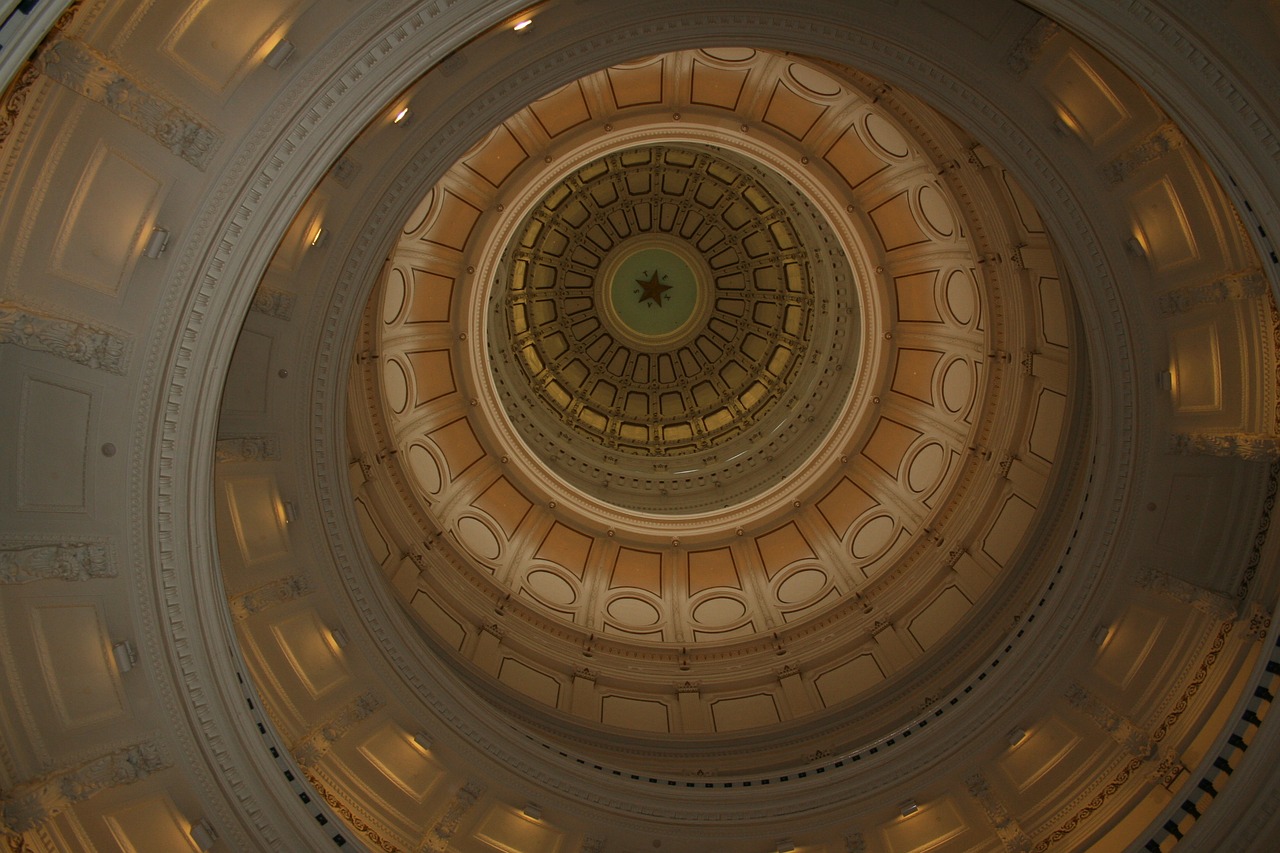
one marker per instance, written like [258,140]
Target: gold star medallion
[651,290]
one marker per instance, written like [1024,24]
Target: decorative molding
[273,303]
[1011,834]
[1259,621]
[437,840]
[1030,46]
[1093,805]
[353,820]
[1207,601]
[37,801]
[1246,284]
[68,561]
[247,448]
[1160,142]
[1135,741]
[85,71]
[315,744]
[78,342]
[1253,447]
[593,844]
[270,595]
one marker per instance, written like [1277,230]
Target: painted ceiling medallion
[660,304]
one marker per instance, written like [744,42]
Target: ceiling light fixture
[279,54]
[318,238]
[522,25]
[533,811]
[909,808]
[338,636]
[202,834]
[402,116]
[1017,736]
[1101,634]
[156,242]
[125,655]
[423,741]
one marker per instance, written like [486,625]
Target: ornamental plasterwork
[85,71]
[33,802]
[69,561]
[78,342]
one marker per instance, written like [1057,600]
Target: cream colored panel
[916,297]
[395,385]
[561,110]
[888,445]
[1047,425]
[782,547]
[791,112]
[459,446]
[744,712]
[503,502]
[1008,529]
[896,224]
[1191,522]
[710,569]
[1045,748]
[310,648]
[848,679]
[430,297]
[1133,639]
[550,587]
[75,656]
[151,825]
[514,832]
[566,547]
[447,628]
[215,40]
[395,296]
[53,437]
[432,375]
[373,536]
[106,222]
[637,84]
[392,750]
[1197,368]
[478,537]
[931,828]
[497,156]
[258,517]
[637,569]
[246,388]
[640,714]
[454,218]
[533,683]
[1053,311]
[1027,213]
[855,162]
[1085,102]
[914,372]
[843,504]
[938,617]
[1165,232]
[427,471]
[716,87]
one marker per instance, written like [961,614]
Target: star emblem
[652,289]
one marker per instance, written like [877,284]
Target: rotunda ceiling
[722,401]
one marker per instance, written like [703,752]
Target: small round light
[521,25]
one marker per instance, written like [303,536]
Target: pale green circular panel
[654,292]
